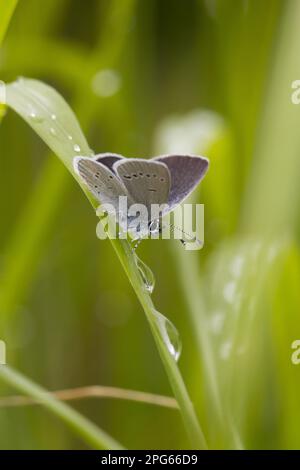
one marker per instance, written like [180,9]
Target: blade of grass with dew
[50,116]
[89,432]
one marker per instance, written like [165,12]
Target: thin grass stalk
[89,432]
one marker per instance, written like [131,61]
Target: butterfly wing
[108,159]
[186,173]
[101,181]
[147,182]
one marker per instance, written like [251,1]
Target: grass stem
[91,434]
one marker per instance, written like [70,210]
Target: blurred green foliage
[72,318]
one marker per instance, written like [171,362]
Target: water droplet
[35,117]
[147,275]
[52,131]
[70,137]
[76,148]
[169,334]
[53,117]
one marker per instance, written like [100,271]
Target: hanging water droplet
[147,275]
[76,148]
[169,334]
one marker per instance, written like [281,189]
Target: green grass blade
[89,432]
[50,116]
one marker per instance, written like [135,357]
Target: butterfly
[164,180]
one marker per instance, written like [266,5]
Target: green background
[72,318]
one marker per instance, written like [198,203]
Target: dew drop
[52,131]
[169,334]
[53,117]
[35,117]
[76,148]
[70,137]
[147,275]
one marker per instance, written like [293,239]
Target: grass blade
[91,434]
